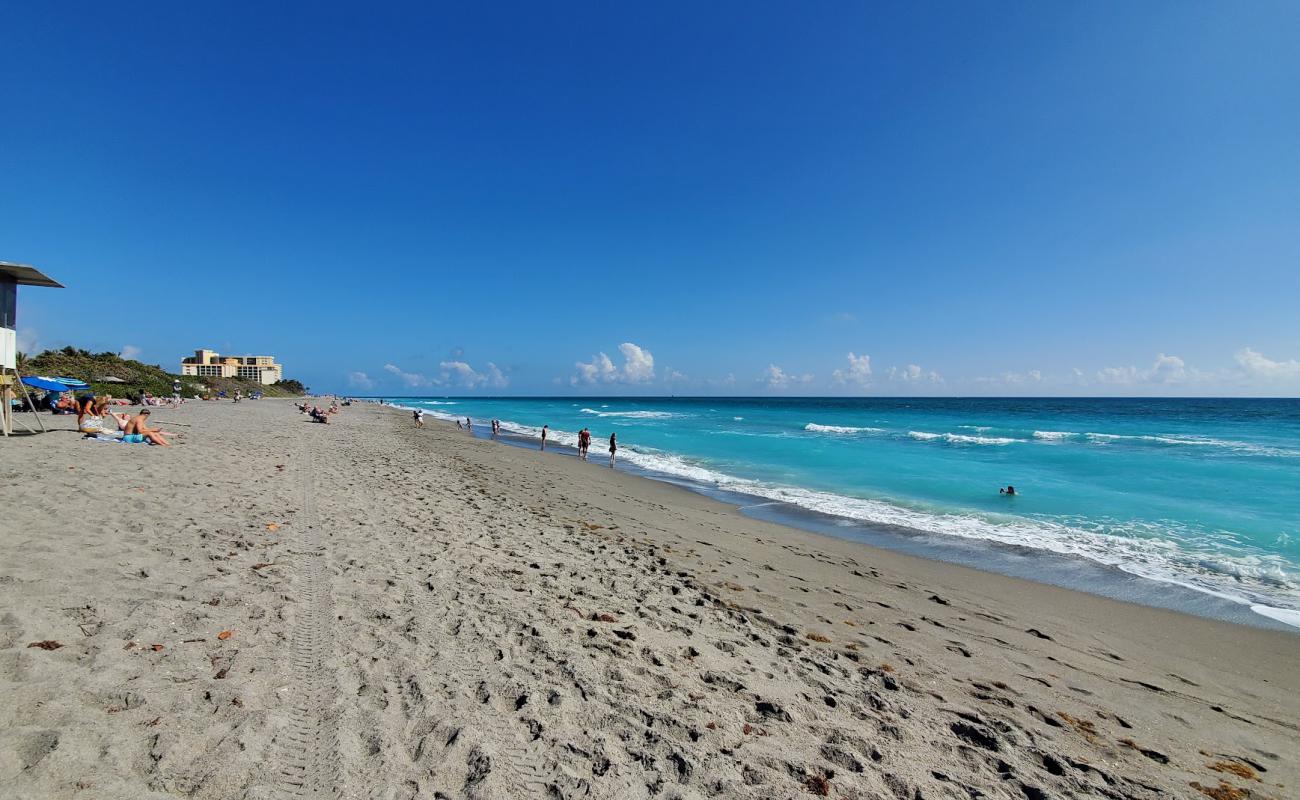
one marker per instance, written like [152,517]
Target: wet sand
[416,613]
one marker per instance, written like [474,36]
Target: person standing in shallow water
[544,427]
[613,448]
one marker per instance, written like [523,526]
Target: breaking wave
[815,428]
[960,438]
[630,414]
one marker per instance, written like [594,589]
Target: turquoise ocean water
[1168,502]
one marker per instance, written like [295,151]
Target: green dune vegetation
[109,373]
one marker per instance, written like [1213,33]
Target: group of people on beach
[584,435]
[317,413]
[584,445]
[92,412]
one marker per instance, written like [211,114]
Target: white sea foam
[960,438]
[630,414]
[815,428]
[738,419]
[1053,436]
[1286,616]
[957,438]
[1175,440]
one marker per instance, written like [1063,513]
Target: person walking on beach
[613,448]
[469,426]
[544,428]
[584,442]
[419,417]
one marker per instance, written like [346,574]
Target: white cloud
[913,373]
[360,380]
[600,370]
[859,371]
[461,373]
[1166,369]
[776,378]
[412,379]
[130,351]
[1259,366]
[640,364]
[673,376]
[638,367]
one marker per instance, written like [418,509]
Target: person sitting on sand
[90,415]
[137,430]
[65,405]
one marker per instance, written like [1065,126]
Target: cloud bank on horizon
[1251,372]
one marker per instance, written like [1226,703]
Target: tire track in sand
[307,752]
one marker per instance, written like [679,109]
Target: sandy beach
[275,608]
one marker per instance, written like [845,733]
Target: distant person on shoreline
[544,430]
[469,425]
[418,414]
[496,428]
[1010,491]
[584,443]
[613,448]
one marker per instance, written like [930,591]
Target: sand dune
[421,614]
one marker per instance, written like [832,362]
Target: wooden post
[7,396]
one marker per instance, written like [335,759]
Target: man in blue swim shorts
[138,431]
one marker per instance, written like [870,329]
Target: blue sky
[731,198]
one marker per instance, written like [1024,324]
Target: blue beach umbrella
[71,383]
[48,384]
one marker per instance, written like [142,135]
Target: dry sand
[421,614]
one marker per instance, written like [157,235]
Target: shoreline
[1062,570]
[275,604]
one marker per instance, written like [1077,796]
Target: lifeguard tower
[11,277]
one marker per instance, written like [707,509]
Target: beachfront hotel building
[210,364]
